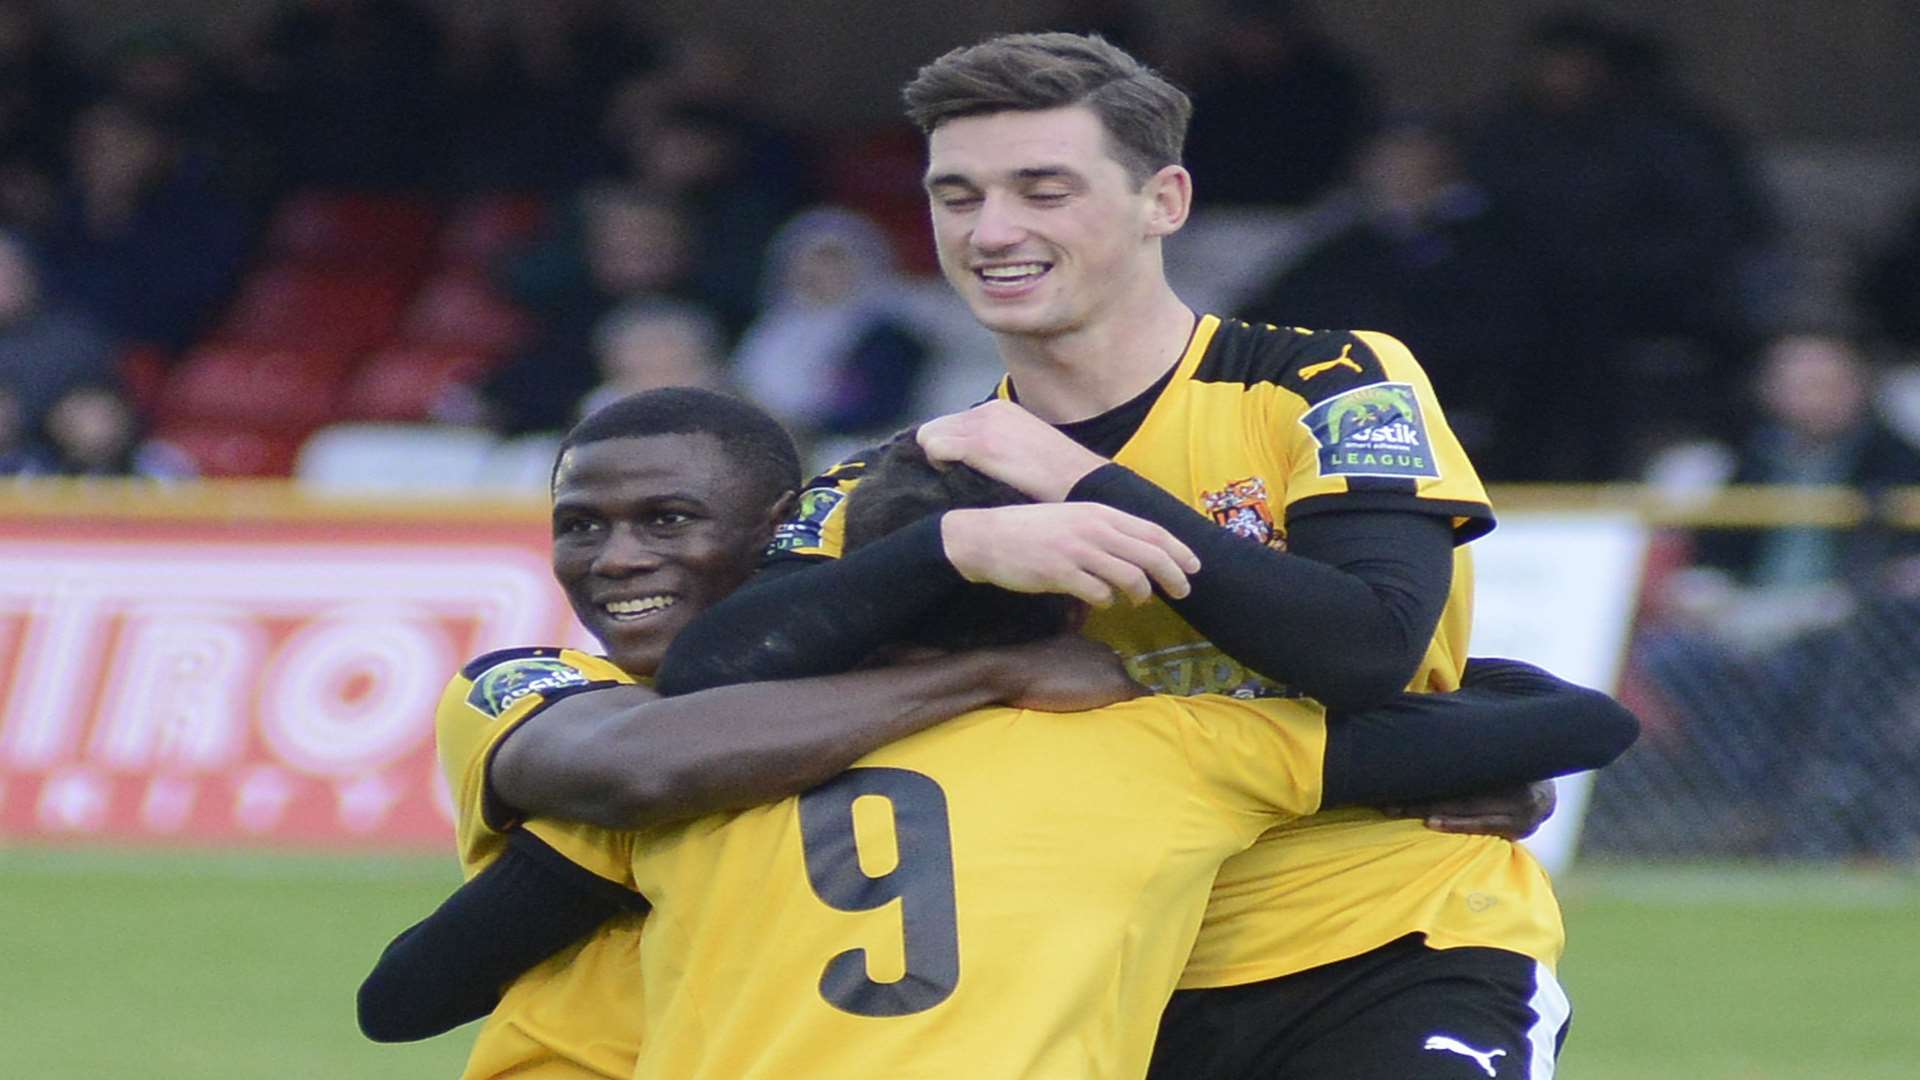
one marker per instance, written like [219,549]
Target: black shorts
[1401,1012]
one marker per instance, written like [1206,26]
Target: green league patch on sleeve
[804,528]
[504,683]
[1372,430]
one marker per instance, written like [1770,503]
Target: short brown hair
[1145,116]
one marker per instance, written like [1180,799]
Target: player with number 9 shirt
[1014,893]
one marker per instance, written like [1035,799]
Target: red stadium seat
[284,389]
[403,382]
[345,231]
[461,310]
[320,309]
[486,227]
[225,450]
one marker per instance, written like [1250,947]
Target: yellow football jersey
[578,1013]
[1258,425]
[899,920]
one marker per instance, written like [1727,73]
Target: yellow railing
[1752,506]
[1733,507]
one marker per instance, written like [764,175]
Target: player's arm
[1509,723]
[1344,616]
[814,616]
[449,968]
[624,758]
[820,616]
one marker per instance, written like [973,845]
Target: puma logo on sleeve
[1311,370]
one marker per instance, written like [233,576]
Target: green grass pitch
[216,966]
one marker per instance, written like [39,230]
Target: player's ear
[781,510]
[1170,192]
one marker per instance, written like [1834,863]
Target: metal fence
[1774,661]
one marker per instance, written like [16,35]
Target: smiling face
[650,531]
[1040,229]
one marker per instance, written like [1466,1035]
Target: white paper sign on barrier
[1559,590]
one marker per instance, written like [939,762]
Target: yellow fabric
[1348,881]
[1014,850]
[1230,436]
[576,1014]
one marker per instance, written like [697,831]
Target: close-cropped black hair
[754,440]
[903,487]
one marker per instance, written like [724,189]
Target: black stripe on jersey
[1314,364]
[852,468]
[478,666]
[1391,485]
[1474,520]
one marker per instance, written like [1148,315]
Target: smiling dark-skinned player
[662,502]
[1008,894]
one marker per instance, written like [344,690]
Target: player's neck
[1073,376]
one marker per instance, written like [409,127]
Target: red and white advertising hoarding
[242,666]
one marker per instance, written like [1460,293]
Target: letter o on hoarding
[355,690]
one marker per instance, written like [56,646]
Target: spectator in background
[1644,61]
[717,72]
[652,344]
[527,85]
[1632,223]
[159,71]
[1774,653]
[1817,425]
[45,350]
[1279,110]
[831,353]
[144,241]
[20,454]
[619,244]
[41,87]
[701,155]
[347,90]
[1889,286]
[1428,259]
[93,431]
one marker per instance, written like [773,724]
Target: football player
[1312,474]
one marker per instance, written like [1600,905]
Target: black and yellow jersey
[1256,427]
[577,1014]
[896,920]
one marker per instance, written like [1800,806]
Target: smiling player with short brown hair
[1313,475]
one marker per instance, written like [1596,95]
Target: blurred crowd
[218,240]
[1588,265]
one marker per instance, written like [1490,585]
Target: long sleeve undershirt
[450,967]
[1343,616]
[1509,723]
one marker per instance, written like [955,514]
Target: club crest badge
[1242,509]
[1372,430]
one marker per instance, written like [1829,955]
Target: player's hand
[1011,445]
[1065,674]
[1084,550]
[1513,813]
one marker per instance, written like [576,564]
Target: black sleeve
[1344,615]
[821,618]
[449,968]
[1509,723]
